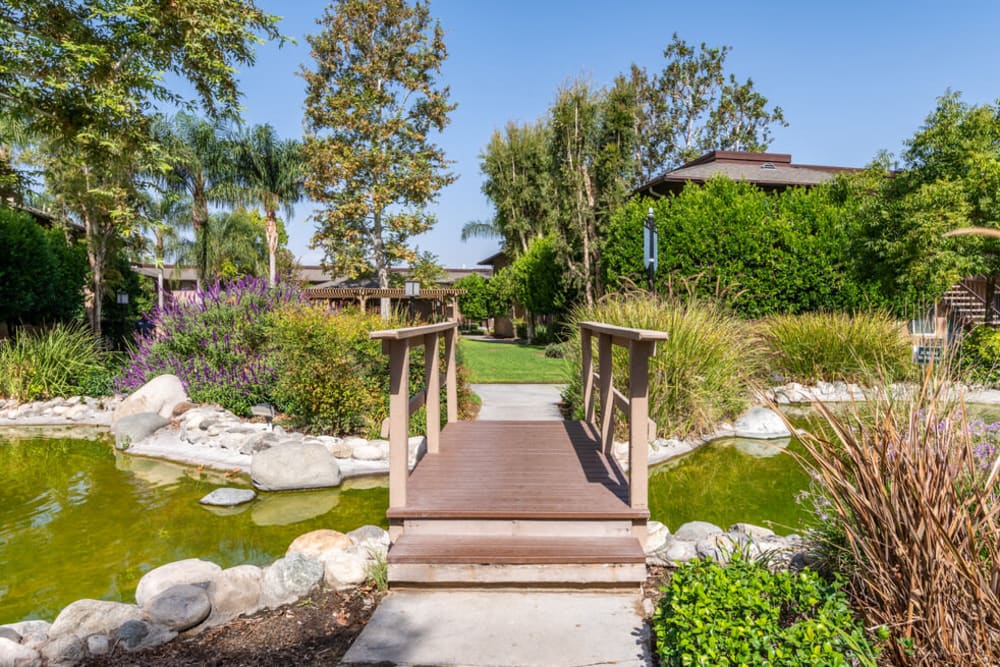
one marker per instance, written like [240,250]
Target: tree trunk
[991,287]
[530,326]
[271,229]
[199,219]
[95,258]
[381,265]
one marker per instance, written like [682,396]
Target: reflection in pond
[80,520]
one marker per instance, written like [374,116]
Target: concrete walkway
[504,629]
[530,402]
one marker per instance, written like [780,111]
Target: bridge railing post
[397,343]
[641,344]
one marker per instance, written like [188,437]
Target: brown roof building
[768,171]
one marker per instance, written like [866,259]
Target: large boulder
[370,540]
[344,569]
[190,571]
[133,428]
[179,607]
[760,422]
[160,395]
[295,466]
[142,635]
[288,579]
[64,651]
[695,531]
[92,617]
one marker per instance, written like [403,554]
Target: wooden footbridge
[511,503]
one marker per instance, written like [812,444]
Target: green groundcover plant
[58,361]
[743,614]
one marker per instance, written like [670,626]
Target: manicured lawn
[509,362]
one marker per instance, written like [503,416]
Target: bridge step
[500,560]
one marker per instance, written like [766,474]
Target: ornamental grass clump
[862,347]
[217,344]
[58,361]
[698,377]
[907,492]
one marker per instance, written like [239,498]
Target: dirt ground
[317,630]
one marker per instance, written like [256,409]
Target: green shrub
[868,347]
[787,252]
[331,376]
[979,355]
[58,361]
[699,376]
[556,350]
[743,614]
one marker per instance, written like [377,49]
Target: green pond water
[80,520]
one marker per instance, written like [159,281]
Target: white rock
[657,535]
[160,395]
[234,592]
[189,571]
[344,569]
[64,651]
[133,428]
[751,531]
[92,617]
[340,449]
[760,422]
[368,453]
[353,442]
[13,654]
[294,466]
[288,579]
[370,539]
[98,644]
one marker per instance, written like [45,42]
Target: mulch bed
[316,630]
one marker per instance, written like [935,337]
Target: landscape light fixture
[650,247]
[266,411]
[412,290]
[122,298]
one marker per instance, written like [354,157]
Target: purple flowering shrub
[216,344]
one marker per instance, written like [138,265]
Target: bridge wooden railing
[641,344]
[397,343]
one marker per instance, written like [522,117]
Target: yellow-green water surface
[80,520]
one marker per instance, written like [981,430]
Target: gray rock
[294,466]
[370,539]
[92,617]
[694,531]
[191,571]
[258,442]
[179,607]
[140,635]
[133,428]
[228,497]
[236,591]
[760,422]
[751,531]
[288,579]
[10,633]
[159,395]
[717,547]
[13,654]
[35,632]
[98,644]
[65,651]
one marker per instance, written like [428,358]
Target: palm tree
[268,172]
[200,167]
[166,215]
[232,245]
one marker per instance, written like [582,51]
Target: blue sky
[852,77]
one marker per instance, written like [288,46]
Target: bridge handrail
[397,343]
[641,344]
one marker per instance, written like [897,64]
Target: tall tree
[693,106]
[517,166]
[371,103]
[269,173]
[198,154]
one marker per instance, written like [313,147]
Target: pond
[80,520]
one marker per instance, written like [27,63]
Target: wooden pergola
[447,296]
